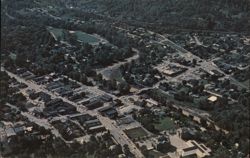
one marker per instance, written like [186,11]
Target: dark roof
[106,108]
[106,97]
[190,149]
[92,121]
[19,129]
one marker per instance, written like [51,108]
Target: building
[212,99]
[170,69]
[106,98]
[194,149]
[92,123]
[95,129]
[125,120]
[93,126]
[10,132]
[108,111]
[54,102]
[151,103]
[161,143]
[57,106]
[93,104]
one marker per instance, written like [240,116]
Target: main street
[116,132]
[41,122]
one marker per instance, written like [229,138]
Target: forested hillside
[227,15]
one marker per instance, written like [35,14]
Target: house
[21,70]
[151,102]
[215,73]
[10,132]
[212,99]
[40,80]
[19,130]
[159,112]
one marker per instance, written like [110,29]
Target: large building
[194,150]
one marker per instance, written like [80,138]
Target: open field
[135,133]
[165,124]
[87,38]
[81,36]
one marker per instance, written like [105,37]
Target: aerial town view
[125,79]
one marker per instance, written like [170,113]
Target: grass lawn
[86,38]
[81,36]
[135,133]
[246,83]
[165,124]
[56,32]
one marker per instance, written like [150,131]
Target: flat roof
[212,98]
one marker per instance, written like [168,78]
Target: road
[206,65]
[116,132]
[107,71]
[41,122]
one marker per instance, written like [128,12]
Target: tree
[117,150]
[144,150]
[113,84]
[184,82]
[72,38]
[83,78]
[99,77]
[21,59]
[194,61]
[4,86]
[123,87]
[126,149]
[203,122]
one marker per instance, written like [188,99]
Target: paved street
[107,71]
[117,133]
[41,122]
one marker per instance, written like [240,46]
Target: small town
[80,81]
